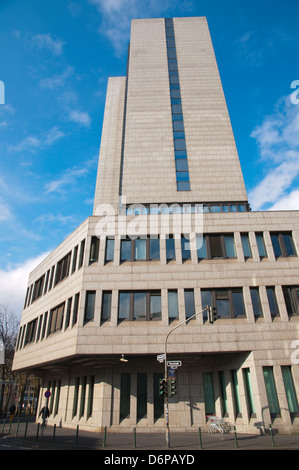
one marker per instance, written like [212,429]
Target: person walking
[12,411]
[45,414]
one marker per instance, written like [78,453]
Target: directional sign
[171,372]
[174,364]
[161,357]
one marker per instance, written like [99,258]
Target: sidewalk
[30,436]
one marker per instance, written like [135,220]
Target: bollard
[271,434]
[235,432]
[26,427]
[54,431]
[199,435]
[134,438]
[37,430]
[77,434]
[18,424]
[104,438]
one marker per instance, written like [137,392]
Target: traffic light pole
[166,371]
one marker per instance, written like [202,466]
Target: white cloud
[32,143]
[278,143]
[67,178]
[5,213]
[58,80]
[13,283]
[46,41]
[80,117]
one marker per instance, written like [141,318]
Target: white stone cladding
[79,358]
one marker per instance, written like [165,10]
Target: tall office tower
[171,233]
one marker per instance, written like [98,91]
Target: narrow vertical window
[94,250]
[125,395]
[209,396]
[272,301]
[246,246]
[261,245]
[106,306]
[290,390]
[185,244]
[76,395]
[248,392]
[81,256]
[256,302]
[141,396]
[173,309]
[170,248]
[109,253]
[189,302]
[90,396]
[236,396]
[83,396]
[271,392]
[89,306]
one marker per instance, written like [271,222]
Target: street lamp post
[166,371]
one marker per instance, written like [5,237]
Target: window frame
[230,301]
[131,314]
[148,249]
[282,245]
[207,241]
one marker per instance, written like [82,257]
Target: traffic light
[171,387]
[162,388]
[213,315]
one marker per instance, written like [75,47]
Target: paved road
[20,436]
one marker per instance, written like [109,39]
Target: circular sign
[47,394]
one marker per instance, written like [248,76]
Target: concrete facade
[243,367]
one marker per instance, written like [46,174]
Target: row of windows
[179,140]
[209,246]
[60,317]
[63,268]
[153,209]
[147,305]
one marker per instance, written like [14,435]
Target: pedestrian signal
[213,315]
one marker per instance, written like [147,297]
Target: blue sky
[55,58]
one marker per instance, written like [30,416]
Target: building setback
[171,233]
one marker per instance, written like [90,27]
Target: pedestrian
[45,414]
[12,411]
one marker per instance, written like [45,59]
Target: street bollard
[105,435]
[134,438]
[26,427]
[271,434]
[18,424]
[54,431]
[37,431]
[77,434]
[199,435]
[235,432]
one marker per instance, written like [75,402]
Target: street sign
[161,358]
[171,372]
[174,364]
[47,394]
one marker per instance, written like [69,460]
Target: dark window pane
[182,176]
[109,249]
[276,245]
[140,305]
[272,300]
[189,303]
[180,154]
[106,306]
[181,165]
[178,135]
[140,249]
[185,248]
[238,303]
[171,53]
[172,65]
[155,305]
[125,393]
[261,245]
[125,250]
[177,117]
[287,293]
[174,79]
[173,310]
[216,248]
[124,306]
[176,109]
[175,93]
[255,299]
[246,246]
[222,303]
[183,186]
[154,248]
[89,305]
[288,242]
[170,248]
[179,144]
[229,246]
[201,247]
[178,126]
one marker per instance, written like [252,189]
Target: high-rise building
[171,235]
